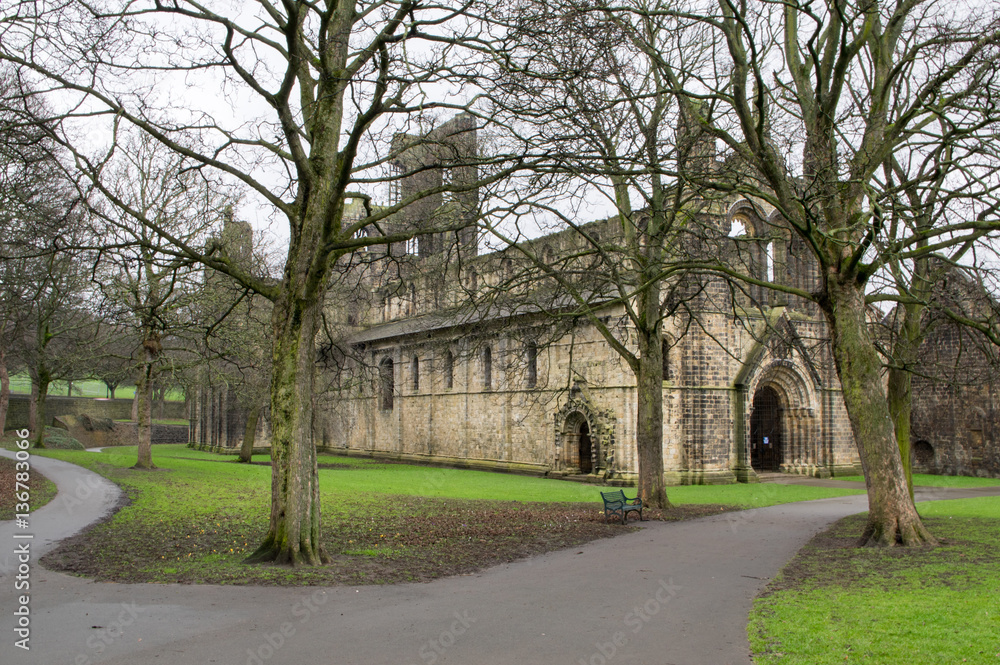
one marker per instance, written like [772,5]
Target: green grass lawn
[21,384]
[201,514]
[928,480]
[835,603]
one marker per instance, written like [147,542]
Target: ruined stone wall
[116,409]
[954,422]
[503,424]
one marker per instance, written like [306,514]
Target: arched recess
[797,265]
[578,445]
[789,398]
[755,248]
[584,439]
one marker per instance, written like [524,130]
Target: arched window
[487,369]
[506,269]
[665,359]
[447,178]
[531,360]
[387,384]
[449,370]
[415,371]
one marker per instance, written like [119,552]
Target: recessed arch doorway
[578,443]
[586,449]
[766,445]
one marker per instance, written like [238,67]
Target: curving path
[667,594]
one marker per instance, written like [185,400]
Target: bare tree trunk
[4,390]
[904,356]
[36,411]
[161,401]
[135,405]
[294,533]
[649,424]
[33,407]
[144,402]
[250,434]
[892,517]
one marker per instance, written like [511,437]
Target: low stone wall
[115,409]
[103,432]
[523,468]
[129,433]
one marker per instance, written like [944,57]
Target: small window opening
[386,384]
[531,357]
[487,369]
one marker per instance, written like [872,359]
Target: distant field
[21,385]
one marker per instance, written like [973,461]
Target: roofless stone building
[412,373]
[748,389]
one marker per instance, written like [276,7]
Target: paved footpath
[670,593]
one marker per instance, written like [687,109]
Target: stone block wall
[115,409]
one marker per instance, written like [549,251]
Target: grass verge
[836,603]
[41,489]
[928,480]
[198,516]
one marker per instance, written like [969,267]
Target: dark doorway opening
[765,431]
[922,457]
[586,452]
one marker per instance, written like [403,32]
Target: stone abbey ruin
[749,386]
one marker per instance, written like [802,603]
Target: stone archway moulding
[579,408]
[802,450]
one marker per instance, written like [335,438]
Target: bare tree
[572,88]
[32,203]
[846,85]
[922,190]
[306,90]
[146,287]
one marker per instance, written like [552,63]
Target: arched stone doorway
[766,445]
[578,444]
[784,423]
[586,449]
[922,457]
[584,437]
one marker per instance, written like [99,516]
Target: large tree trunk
[294,533]
[649,410]
[250,434]
[151,349]
[4,390]
[649,425]
[892,517]
[904,356]
[36,410]
[33,407]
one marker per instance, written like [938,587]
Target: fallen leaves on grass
[389,540]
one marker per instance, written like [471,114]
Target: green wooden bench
[618,505]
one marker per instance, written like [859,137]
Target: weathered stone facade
[511,389]
[956,406]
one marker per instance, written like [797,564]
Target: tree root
[269,552]
[901,532]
